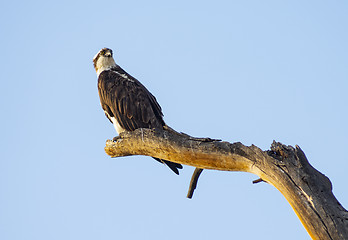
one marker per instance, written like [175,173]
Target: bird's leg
[142,134]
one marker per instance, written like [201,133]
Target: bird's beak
[108,54]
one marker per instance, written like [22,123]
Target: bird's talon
[116,138]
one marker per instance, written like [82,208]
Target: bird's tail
[172,165]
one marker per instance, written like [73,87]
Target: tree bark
[308,191]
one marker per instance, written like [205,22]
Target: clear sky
[249,71]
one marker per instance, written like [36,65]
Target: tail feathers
[172,165]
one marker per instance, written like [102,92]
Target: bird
[126,102]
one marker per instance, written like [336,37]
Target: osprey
[126,102]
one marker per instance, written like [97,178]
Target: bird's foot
[115,139]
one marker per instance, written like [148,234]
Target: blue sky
[248,71]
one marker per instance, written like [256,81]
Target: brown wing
[133,106]
[126,99]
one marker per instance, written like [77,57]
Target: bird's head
[103,60]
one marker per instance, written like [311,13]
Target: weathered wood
[308,191]
[193,183]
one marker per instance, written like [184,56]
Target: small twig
[193,183]
[258,180]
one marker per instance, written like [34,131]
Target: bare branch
[308,191]
[258,180]
[194,180]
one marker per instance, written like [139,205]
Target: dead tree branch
[193,183]
[308,191]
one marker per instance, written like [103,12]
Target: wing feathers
[127,99]
[133,106]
